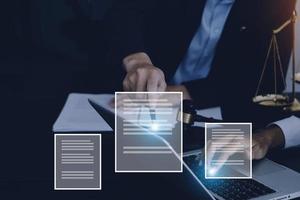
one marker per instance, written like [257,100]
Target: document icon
[148,134]
[228,150]
[77,162]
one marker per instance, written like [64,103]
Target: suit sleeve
[124,24]
[291,130]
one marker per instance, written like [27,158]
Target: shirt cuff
[291,130]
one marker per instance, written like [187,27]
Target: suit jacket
[164,29]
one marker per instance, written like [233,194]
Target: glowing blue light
[212,171]
[154,127]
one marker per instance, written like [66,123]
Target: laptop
[270,180]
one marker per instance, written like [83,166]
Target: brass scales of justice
[283,101]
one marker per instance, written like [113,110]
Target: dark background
[49,48]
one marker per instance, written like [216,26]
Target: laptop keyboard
[234,189]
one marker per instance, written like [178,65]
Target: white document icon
[148,134]
[77,162]
[228,150]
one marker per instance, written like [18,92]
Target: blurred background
[49,48]
[52,47]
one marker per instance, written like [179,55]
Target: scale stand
[275,99]
[297,78]
[295,106]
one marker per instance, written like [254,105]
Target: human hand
[263,141]
[221,150]
[142,75]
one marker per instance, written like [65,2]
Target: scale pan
[272,100]
[297,77]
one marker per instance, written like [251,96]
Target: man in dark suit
[211,50]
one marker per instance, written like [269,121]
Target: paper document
[79,116]
[214,112]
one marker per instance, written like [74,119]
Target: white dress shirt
[291,130]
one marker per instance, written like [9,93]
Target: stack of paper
[79,116]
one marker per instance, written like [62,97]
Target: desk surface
[28,170]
